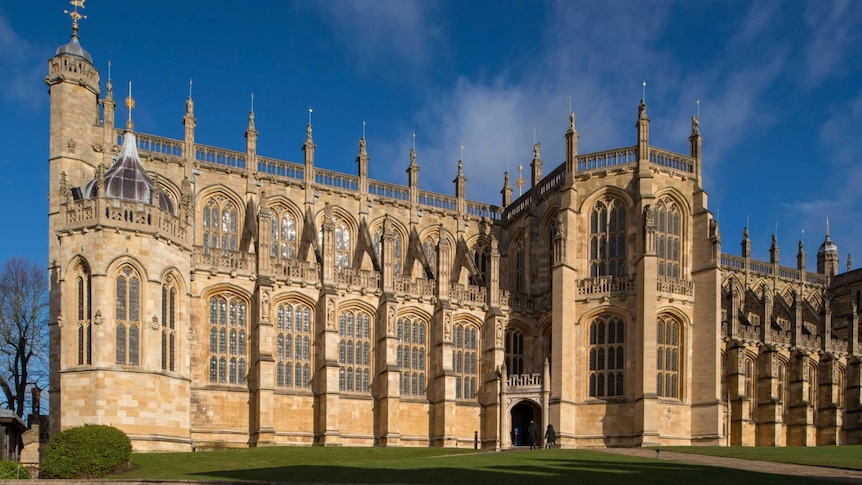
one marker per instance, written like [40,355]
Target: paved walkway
[836,474]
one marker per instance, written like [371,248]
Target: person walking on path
[532,435]
[550,437]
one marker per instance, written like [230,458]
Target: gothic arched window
[128,314]
[293,345]
[519,268]
[283,235]
[668,238]
[608,238]
[429,247]
[354,351]
[84,315]
[219,224]
[464,355]
[342,245]
[378,250]
[514,346]
[482,258]
[411,335]
[169,318]
[667,361]
[607,357]
[227,338]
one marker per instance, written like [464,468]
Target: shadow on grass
[544,471]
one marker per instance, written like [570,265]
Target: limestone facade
[245,301]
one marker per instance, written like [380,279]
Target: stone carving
[447,328]
[391,321]
[499,333]
[97,318]
[264,310]
[330,312]
[154,324]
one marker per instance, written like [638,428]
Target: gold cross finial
[520,180]
[130,105]
[74,13]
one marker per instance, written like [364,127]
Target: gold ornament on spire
[130,105]
[74,13]
[520,181]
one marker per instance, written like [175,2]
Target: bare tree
[23,330]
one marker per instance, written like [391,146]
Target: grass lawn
[849,457]
[433,466]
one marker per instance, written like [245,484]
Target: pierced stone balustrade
[605,285]
[296,271]
[809,341]
[370,280]
[469,295]
[220,260]
[677,286]
[415,287]
[748,332]
[125,215]
[504,298]
[779,337]
[524,383]
[839,345]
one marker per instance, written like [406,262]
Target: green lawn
[433,466]
[849,457]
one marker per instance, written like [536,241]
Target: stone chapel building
[206,298]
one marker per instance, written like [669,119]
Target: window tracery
[667,361]
[465,362]
[354,351]
[284,234]
[168,330]
[219,224]
[411,351]
[607,357]
[293,345]
[84,316]
[608,238]
[378,249]
[227,335]
[514,350]
[128,324]
[668,238]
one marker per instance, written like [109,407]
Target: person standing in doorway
[550,437]
[532,435]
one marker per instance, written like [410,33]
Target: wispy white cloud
[375,30]
[599,59]
[21,70]
[835,32]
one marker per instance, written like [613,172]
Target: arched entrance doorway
[521,415]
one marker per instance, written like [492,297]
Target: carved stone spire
[571,146]
[773,250]
[536,165]
[800,256]
[507,190]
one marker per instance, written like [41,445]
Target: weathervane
[74,13]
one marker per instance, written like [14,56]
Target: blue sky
[779,84]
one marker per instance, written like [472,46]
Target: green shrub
[90,451]
[11,470]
